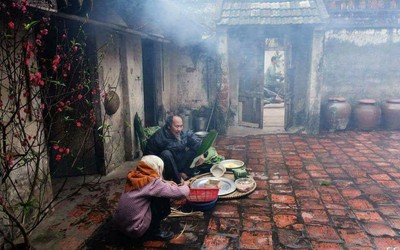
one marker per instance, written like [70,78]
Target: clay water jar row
[367,114]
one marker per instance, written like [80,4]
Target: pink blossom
[80,96]
[75,48]
[11,25]
[58,157]
[61,150]
[56,146]
[56,61]
[78,124]
[67,151]
[44,32]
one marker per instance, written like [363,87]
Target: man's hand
[200,161]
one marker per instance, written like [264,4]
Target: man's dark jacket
[163,139]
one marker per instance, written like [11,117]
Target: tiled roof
[272,12]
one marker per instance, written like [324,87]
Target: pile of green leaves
[143,134]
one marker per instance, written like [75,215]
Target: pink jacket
[133,215]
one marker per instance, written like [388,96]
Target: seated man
[176,148]
[273,81]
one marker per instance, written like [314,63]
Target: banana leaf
[207,142]
[205,145]
[139,132]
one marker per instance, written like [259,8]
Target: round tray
[233,195]
[227,187]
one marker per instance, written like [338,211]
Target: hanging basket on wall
[111,102]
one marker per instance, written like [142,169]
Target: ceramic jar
[391,114]
[337,113]
[367,114]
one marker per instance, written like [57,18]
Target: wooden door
[251,75]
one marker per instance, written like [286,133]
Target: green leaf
[67,118]
[207,142]
[30,25]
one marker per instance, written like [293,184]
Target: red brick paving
[333,191]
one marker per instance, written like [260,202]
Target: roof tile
[237,12]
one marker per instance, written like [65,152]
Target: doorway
[150,64]
[275,85]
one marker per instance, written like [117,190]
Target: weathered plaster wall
[188,82]
[110,77]
[120,70]
[361,63]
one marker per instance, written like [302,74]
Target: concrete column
[126,104]
[223,86]
[314,90]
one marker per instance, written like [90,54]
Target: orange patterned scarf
[140,177]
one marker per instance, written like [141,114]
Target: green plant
[47,113]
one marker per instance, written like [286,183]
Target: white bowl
[244,184]
[201,134]
[217,170]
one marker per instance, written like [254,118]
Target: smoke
[183,22]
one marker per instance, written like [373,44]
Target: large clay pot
[391,114]
[367,114]
[337,113]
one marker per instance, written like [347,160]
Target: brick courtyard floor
[332,191]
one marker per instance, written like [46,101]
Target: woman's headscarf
[149,167]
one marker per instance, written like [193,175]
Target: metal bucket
[187,122]
[200,124]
